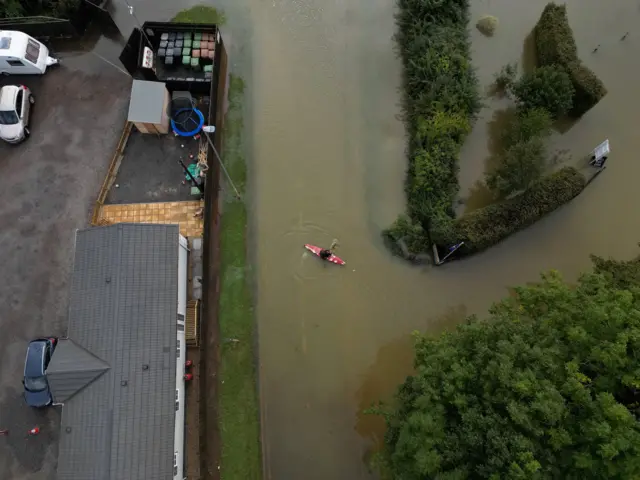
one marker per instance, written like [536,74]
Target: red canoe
[332,258]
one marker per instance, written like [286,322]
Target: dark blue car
[36,386]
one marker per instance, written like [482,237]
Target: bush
[555,45]
[535,122]
[487,25]
[548,87]
[554,38]
[522,164]
[404,230]
[525,156]
[487,226]
[505,79]
[588,88]
[440,98]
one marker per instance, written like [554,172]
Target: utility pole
[207,129]
[130,7]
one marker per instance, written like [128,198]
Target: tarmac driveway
[47,187]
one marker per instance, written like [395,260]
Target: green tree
[506,77]
[547,87]
[520,166]
[11,8]
[534,122]
[547,387]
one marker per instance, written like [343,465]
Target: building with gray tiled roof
[119,374]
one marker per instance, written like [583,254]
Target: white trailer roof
[13,44]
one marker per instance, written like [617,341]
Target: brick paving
[181,213]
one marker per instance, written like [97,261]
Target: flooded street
[326,153]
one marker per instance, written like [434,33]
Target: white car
[15,112]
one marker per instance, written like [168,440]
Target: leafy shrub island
[441,100]
[549,88]
[520,166]
[555,45]
[487,226]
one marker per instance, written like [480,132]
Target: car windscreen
[8,117]
[35,384]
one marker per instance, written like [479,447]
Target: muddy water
[326,153]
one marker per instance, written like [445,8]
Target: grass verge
[200,14]
[239,409]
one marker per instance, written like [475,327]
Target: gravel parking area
[47,188]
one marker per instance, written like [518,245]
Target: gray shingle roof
[71,369]
[123,309]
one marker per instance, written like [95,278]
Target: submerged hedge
[555,45]
[487,226]
[440,99]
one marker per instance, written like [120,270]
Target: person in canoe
[326,254]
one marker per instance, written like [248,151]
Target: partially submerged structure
[186,56]
[120,373]
[146,167]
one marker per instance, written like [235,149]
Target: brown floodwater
[326,151]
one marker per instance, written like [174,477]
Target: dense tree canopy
[52,8]
[546,387]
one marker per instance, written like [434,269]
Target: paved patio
[181,213]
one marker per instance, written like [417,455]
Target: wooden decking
[192,323]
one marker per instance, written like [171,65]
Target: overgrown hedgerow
[487,226]
[555,45]
[440,99]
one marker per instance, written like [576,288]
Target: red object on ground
[317,250]
[188,363]
[4,432]
[34,431]
[188,376]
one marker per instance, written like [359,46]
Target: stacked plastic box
[194,50]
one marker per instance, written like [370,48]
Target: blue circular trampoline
[187,122]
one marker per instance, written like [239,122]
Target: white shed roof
[147,101]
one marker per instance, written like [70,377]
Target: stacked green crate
[186,49]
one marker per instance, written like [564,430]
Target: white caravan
[21,54]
